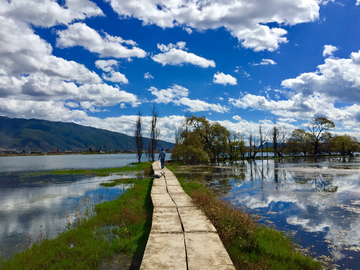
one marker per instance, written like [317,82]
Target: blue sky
[238,62]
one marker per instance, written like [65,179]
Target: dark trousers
[162,160]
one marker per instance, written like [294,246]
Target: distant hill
[41,135]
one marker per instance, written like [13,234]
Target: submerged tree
[139,137]
[236,145]
[256,142]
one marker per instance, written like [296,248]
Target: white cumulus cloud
[221,78]
[112,76]
[175,55]
[47,13]
[245,20]
[334,78]
[36,84]
[147,75]
[115,77]
[178,95]
[329,50]
[265,62]
[106,65]
[79,34]
[169,95]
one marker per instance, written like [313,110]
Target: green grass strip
[133,167]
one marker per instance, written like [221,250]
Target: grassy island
[118,232]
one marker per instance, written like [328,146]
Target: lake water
[317,203]
[34,205]
[61,162]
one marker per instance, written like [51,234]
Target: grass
[133,167]
[250,245]
[116,182]
[119,226]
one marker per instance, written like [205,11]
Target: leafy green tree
[212,136]
[235,145]
[218,145]
[317,128]
[344,144]
[199,136]
[300,141]
[190,150]
[292,147]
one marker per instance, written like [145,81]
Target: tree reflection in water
[317,202]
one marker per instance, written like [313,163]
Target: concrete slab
[164,251]
[194,220]
[182,200]
[159,182]
[174,182]
[206,251]
[156,165]
[177,220]
[166,220]
[159,190]
[175,189]
[162,200]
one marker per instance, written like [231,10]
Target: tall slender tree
[262,140]
[274,132]
[154,134]
[138,136]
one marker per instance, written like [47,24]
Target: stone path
[181,235]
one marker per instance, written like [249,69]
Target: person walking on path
[162,156]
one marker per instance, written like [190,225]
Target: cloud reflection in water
[322,209]
[29,206]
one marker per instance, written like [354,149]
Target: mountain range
[42,135]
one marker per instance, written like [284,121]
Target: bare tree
[283,136]
[139,137]
[178,135]
[154,134]
[262,140]
[256,142]
[250,144]
[273,138]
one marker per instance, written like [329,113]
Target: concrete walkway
[181,235]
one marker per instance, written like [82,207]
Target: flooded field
[37,207]
[315,202]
